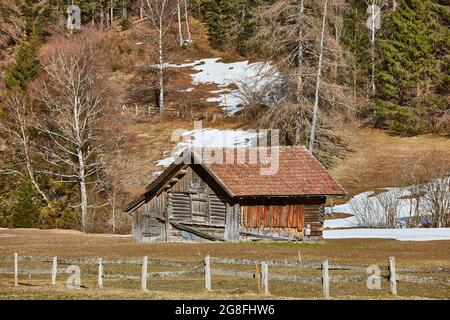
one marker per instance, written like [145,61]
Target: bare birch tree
[180,31]
[186,17]
[73,110]
[374,23]
[17,125]
[160,13]
[312,136]
[111,11]
[300,57]
[431,179]
[304,44]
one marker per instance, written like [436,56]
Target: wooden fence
[207,268]
[143,112]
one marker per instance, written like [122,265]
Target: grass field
[72,244]
[379,160]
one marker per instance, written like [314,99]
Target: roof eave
[290,195]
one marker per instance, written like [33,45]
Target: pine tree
[25,68]
[404,73]
[217,14]
[355,37]
[26,207]
[229,22]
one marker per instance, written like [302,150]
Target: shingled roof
[297,173]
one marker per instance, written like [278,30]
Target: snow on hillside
[413,234]
[405,207]
[210,138]
[241,74]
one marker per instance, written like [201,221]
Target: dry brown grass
[379,160]
[73,244]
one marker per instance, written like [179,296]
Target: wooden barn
[195,201]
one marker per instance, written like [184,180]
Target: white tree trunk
[124,10]
[102,17]
[187,21]
[319,73]
[81,163]
[18,129]
[180,32]
[111,12]
[300,53]
[161,68]
[372,50]
[113,214]
[83,192]
[30,169]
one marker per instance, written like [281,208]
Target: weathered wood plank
[418,279]
[265,278]
[144,274]
[325,280]
[392,276]
[100,273]
[16,269]
[232,223]
[54,270]
[208,273]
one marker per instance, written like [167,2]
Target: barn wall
[282,217]
[197,202]
[150,227]
[281,220]
[190,201]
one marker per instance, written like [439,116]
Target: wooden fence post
[258,278]
[325,280]
[144,274]
[392,275]
[265,278]
[100,273]
[54,270]
[16,269]
[208,273]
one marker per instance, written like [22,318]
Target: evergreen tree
[355,37]
[26,207]
[229,22]
[406,63]
[25,68]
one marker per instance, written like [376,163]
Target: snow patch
[405,207]
[210,138]
[413,234]
[241,73]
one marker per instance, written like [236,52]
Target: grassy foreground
[72,244]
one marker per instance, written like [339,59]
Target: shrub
[25,208]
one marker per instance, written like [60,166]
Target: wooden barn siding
[181,197]
[150,228]
[314,217]
[281,216]
[179,205]
[277,216]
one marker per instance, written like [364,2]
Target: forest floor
[73,244]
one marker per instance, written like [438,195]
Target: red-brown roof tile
[299,173]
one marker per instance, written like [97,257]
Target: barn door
[200,207]
[199,201]
[152,228]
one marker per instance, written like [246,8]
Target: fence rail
[210,266]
